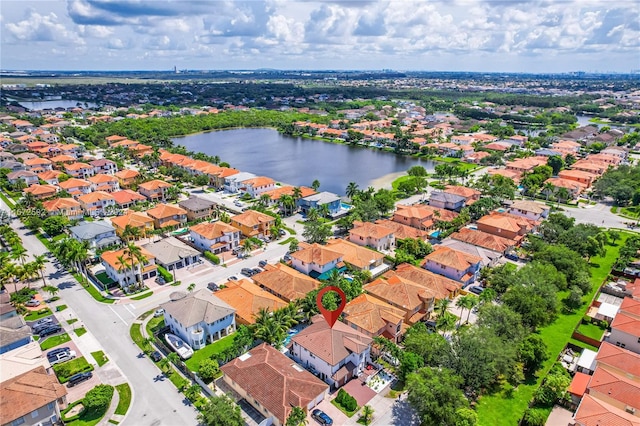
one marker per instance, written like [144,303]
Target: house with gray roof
[99,234]
[171,253]
[447,200]
[316,201]
[198,208]
[14,333]
[29,178]
[14,166]
[234,182]
[199,318]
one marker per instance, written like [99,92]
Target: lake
[54,103]
[298,161]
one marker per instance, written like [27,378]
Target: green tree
[502,321]
[315,184]
[556,163]
[554,388]
[532,352]
[367,414]
[38,262]
[434,349]
[97,400]
[55,225]
[316,231]
[220,411]
[193,392]
[409,363]
[436,396]
[297,417]
[208,369]
[352,190]
[52,290]
[466,417]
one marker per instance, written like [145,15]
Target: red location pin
[331,316]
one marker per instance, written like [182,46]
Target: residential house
[594,167]
[25,156]
[133,219]
[446,200]
[319,201]
[579,176]
[506,225]
[276,193]
[316,260]
[22,360]
[374,317]
[484,239]
[127,178]
[154,190]
[358,257]
[525,165]
[103,182]
[625,328]
[253,224]
[470,195]
[167,215]
[32,398]
[285,282]
[12,165]
[50,138]
[114,138]
[440,286]
[529,209]
[29,178]
[257,186]
[126,198]
[41,192]
[215,237]
[609,160]
[67,207]
[401,231]
[76,187]
[97,234]
[171,253]
[462,139]
[233,182]
[126,269]
[59,161]
[97,203]
[199,318]
[487,256]
[372,235]
[248,299]
[14,333]
[198,208]
[574,188]
[79,170]
[335,354]
[422,217]
[256,374]
[38,165]
[50,177]
[454,264]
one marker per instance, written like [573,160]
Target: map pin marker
[331,316]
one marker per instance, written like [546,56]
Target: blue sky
[451,35]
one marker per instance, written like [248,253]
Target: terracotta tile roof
[332,345]
[247,299]
[529,206]
[49,174]
[441,286]
[579,384]
[155,184]
[274,381]
[59,204]
[28,392]
[458,260]
[74,183]
[101,162]
[127,174]
[36,161]
[214,230]
[77,166]
[400,292]
[616,386]
[371,314]
[567,174]
[571,185]
[114,138]
[259,181]
[511,174]
[370,230]
[127,196]
[94,196]
[423,212]
[132,218]
[102,178]
[353,254]
[628,317]
[316,253]
[613,356]
[401,231]
[594,412]
[286,282]
[278,192]
[507,222]
[62,159]
[162,211]
[483,239]
[37,189]
[463,191]
[252,218]
[111,257]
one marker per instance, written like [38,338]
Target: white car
[158,312]
[61,357]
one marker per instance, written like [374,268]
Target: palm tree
[7,275]
[19,253]
[446,322]
[164,364]
[264,200]
[247,246]
[39,262]
[297,417]
[173,358]
[192,392]
[297,193]
[123,265]
[352,190]
[315,184]
[52,290]
[466,302]
[312,215]
[441,306]
[487,296]
[137,259]
[562,194]
[288,204]
[547,188]
[131,233]
[324,210]
[367,414]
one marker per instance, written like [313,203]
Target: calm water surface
[57,103]
[297,161]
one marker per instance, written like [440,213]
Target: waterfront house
[318,201]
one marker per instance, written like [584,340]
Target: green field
[209,351]
[498,408]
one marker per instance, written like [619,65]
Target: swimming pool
[290,333]
[345,206]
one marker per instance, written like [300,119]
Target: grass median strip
[124,392]
[100,358]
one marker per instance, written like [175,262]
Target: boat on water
[178,345]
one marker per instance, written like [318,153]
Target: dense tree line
[622,184]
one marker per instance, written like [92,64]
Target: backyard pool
[380,381]
[290,333]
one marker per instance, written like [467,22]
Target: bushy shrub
[212,257]
[166,275]
[98,398]
[208,369]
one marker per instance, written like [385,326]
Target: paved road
[154,403]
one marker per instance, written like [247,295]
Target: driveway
[338,417]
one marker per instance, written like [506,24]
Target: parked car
[158,312]
[257,270]
[286,258]
[246,272]
[156,356]
[213,287]
[48,331]
[476,289]
[321,417]
[32,303]
[282,232]
[232,278]
[79,378]
[262,263]
[237,203]
[61,357]
[43,321]
[55,352]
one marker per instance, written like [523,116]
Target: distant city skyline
[541,36]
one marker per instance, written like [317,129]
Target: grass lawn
[54,341]
[69,368]
[61,308]
[142,296]
[136,335]
[287,241]
[208,351]
[124,392]
[177,380]
[583,345]
[591,330]
[93,291]
[154,324]
[499,409]
[80,331]
[72,320]
[88,418]
[36,315]
[100,358]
